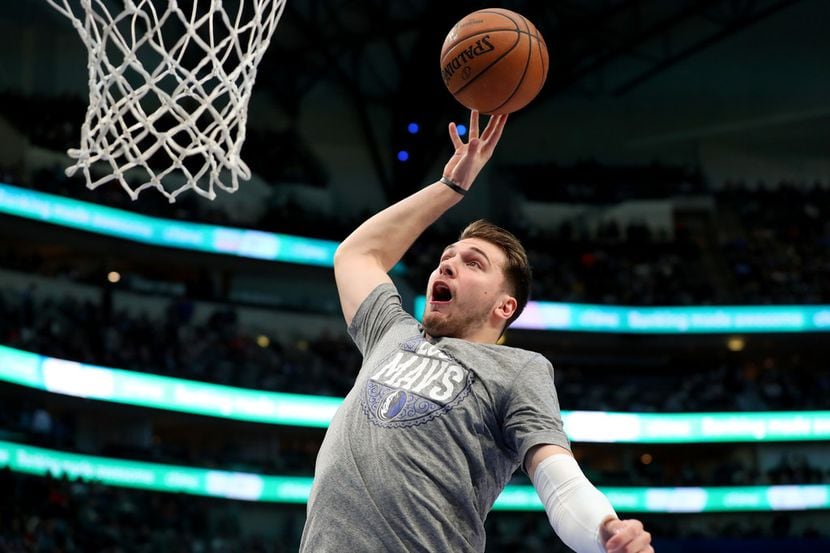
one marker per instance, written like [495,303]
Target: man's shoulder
[386,290]
[507,357]
[384,299]
[379,315]
[519,356]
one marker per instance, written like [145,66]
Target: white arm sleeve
[574,506]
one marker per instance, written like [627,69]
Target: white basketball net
[169,86]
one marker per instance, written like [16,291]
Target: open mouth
[441,293]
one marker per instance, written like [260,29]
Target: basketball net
[169,87]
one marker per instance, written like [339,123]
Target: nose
[446,269]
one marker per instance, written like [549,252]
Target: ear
[506,307]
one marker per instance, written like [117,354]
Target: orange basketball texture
[494,60]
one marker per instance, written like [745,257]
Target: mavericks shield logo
[414,385]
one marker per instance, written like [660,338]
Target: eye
[474,263]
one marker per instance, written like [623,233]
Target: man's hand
[470,158]
[625,536]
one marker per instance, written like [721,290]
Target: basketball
[494,60]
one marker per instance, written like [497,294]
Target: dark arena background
[167,370]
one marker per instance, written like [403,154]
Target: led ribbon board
[118,223]
[200,398]
[578,317]
[161,392]
[295,489]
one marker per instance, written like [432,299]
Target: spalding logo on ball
[494,60]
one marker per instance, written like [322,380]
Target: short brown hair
[517,269]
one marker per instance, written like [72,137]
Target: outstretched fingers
[493,131]
[456,140]
[490,137]
[470,157]
[474,117]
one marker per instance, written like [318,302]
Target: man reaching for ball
[440,417]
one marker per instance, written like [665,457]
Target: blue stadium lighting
[413,128]
[403,155]
[462,130]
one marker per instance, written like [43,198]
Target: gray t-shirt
[427,439]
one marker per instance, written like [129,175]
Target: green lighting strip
[295,489]
[168,233]
[187,396]
[727,319]
[162,392]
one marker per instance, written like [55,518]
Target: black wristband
[453,186]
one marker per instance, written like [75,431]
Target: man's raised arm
[364,258]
